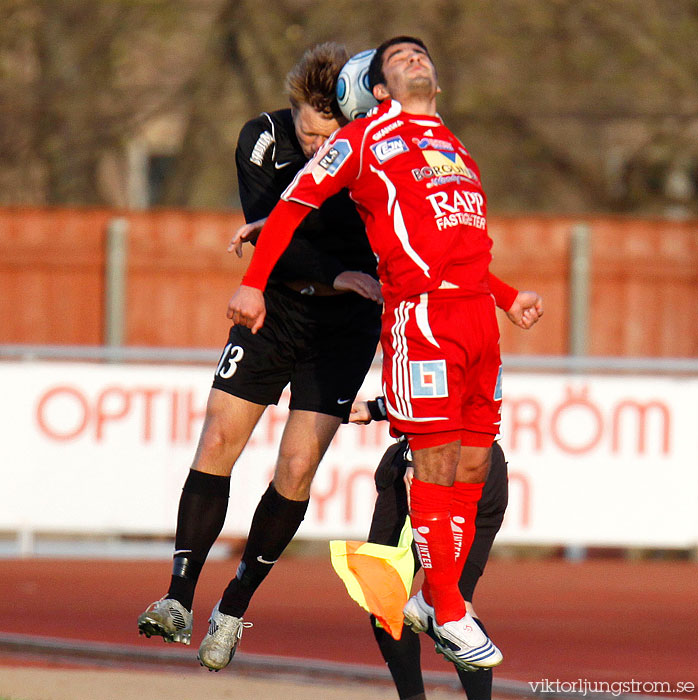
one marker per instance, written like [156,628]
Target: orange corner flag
[377,577]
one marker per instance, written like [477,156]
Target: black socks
[202,510]
[274,525]
[402,657]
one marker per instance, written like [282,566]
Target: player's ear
[380,92]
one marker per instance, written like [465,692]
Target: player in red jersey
[419,193]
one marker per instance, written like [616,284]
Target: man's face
[312,128]
[408,70]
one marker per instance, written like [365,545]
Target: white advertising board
[600,460]
[95,448]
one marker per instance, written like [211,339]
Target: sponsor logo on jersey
[435,144]
[386,130]
[442,163]
[385,150]
[428,379]
[443,180]
[458,207]
[331,160]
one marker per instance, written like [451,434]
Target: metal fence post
[580,285]
[115,283]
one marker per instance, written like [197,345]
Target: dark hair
[375,69]
[313,80]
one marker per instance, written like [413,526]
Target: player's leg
[477,684]
[250,375]
[281,510]
[403,659]
[334,339]
[275,522]
[480,418]
[424,379]
[480,414]
[391,506]
[443,376]
[402,656]
[335,347]
[490,514]
[203,506]
[430,511]
[471,473]
[459,639]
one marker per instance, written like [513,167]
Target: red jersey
[418,192]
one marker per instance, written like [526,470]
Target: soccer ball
[353,93]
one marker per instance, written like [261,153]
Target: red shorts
[442,369]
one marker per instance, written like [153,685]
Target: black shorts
[391,510]
[323,346]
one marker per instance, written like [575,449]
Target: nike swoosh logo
[278,166]
[343,401]
[261,560]
[182,551]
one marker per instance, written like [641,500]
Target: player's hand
[246,308]
[526,309]
[361,283]
[247,232]
[359,413]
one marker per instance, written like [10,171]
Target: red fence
[643,294]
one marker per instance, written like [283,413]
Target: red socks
[430,513]
[443,523]
[463,514]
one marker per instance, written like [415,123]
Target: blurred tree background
[569,106]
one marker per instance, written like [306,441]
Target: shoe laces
[241,626]
[228,625]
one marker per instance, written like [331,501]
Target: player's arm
[503,294]
[313,265]
[300,261]
[246,307]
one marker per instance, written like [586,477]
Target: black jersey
[331,239]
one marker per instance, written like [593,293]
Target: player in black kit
[321,334]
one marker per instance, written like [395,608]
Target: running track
[602,620]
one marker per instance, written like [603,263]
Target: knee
[216,439]
[218,449]
[294,474]
[474,464]
[473,473]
